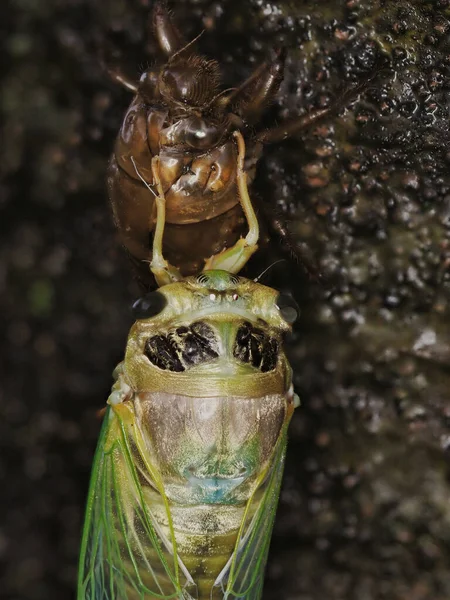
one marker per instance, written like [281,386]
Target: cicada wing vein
[123,556]
[243,576]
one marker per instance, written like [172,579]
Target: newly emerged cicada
[190,459]
[189,464]
[180,114]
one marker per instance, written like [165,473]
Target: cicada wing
[124,554]
[243,576]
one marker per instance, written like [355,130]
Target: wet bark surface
[364,512]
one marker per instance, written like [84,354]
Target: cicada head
[191,80]
[217,326]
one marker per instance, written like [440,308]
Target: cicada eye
[192,80]
[149,305]
[148,83]
[199,134]
[288,308]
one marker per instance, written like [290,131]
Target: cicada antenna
[186,46]
[220,94]
[268,269]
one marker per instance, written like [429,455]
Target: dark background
[365,509]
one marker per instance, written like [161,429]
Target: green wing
[125,555]
[243,576]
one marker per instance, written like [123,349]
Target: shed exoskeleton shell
[180,114]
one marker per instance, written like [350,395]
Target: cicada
[188,468]
[180,113]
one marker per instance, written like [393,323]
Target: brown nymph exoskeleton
[180,114]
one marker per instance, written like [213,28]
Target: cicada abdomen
[189,464]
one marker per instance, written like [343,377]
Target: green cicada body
[190,459]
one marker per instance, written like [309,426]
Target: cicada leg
[168,36]
[252,97]
[343,99]
[163,271]
[234,258]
